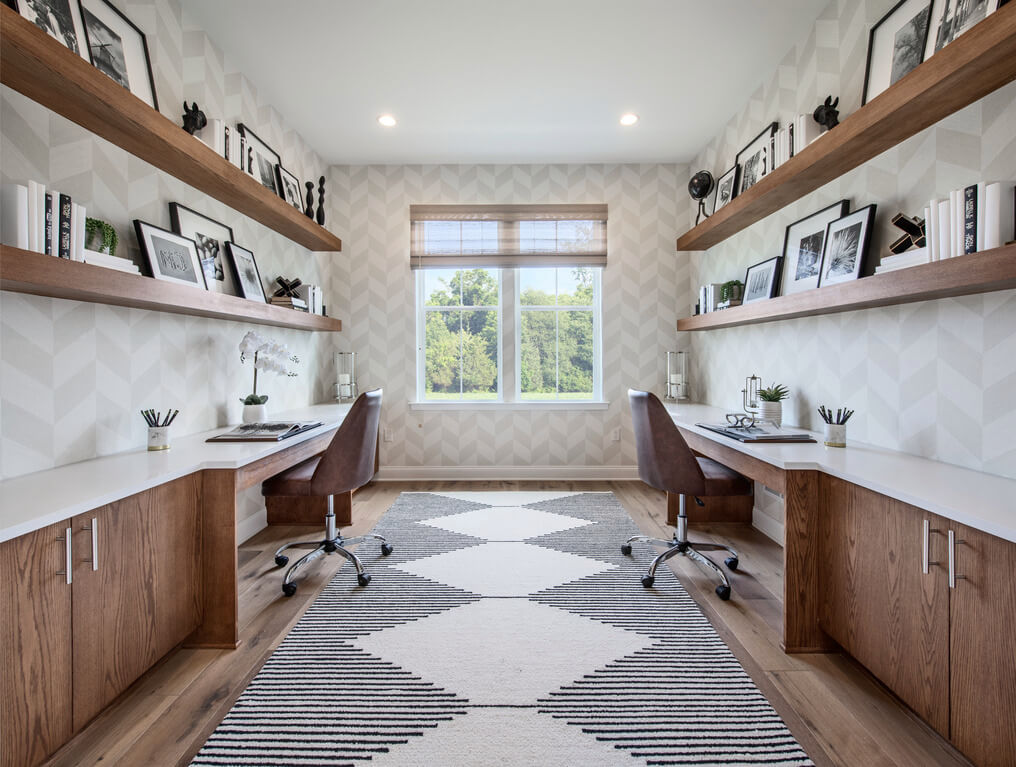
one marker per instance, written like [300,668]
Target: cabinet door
[176,512]
[878,604]
[35,647]
[983,647]
[114,602]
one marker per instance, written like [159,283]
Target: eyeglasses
[740,420]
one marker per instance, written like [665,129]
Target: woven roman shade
[505,236]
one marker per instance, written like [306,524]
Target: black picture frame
[260,159]
[290,188]
[845,250]
[943,30]
[909,39]
[71,35]
[807,234]
[726,189]
[240,260]
[769,273]
[170,256]
[94,25]
[210,237]
[754,162]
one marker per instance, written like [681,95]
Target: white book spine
[945,240]
[14,216]
[957,223]
[77,227]
[980,216]
[36,216]
[931,228]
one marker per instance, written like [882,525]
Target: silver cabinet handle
[69,559]
[924,546]
[95,542]
[953,577]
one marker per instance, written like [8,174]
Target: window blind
[505,236]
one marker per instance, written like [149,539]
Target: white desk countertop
[33,501]
[983,501]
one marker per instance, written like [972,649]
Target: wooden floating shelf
[976,273]
[980,61]
[34,64]
[22,271]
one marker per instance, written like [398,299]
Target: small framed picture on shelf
[170,257]
[261,159]
[846,246]
[289,188]
[755,160]
[896,45]
[211,238]
[726,189]
[951,18]
[762,280]
[61,19]
[802,248]
[119,49]
[245,271]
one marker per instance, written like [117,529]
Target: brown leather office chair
[347,463]
[667,463]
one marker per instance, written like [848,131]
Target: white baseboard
[480,473]
[254,524]
[766,525]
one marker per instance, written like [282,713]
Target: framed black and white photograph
[60,19]
[119,49]
[170,257]
[762,280]
[211,238]
[896,45]
[951,18]
[846,245]
[260,160]
[755,160]
[289,188]
[245,271]
[802,248]
[726,189]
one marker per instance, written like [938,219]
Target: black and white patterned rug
[506,629]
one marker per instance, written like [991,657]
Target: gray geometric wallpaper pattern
[934,378]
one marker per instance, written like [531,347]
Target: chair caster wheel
[648,580]
[363,579]
[626,550]
[731,563]
[282,560]
[723,592]
[288,588]
[386,549]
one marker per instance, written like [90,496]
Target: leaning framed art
[802,248]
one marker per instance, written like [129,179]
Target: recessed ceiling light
[629,118]
[387,121]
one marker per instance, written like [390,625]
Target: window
[533,269]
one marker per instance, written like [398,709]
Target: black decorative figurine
[287,288]
[826,114]
[699,187]
[309,212]
[193,118]
[321,201]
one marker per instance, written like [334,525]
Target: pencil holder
[158,438]
[836,435]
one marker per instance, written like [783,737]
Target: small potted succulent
[771,403]
[265,355]
[100,236]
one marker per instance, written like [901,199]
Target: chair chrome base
[334,543]
[680,544]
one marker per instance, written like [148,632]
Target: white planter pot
[255,413]
[772,412]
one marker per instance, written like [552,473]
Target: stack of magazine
[760,431]
[269,431]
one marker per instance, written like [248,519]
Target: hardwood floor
[841,714]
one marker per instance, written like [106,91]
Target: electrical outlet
[386,435]
[615,435]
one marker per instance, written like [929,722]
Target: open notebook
[268,431]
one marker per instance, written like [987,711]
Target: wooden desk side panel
[220,597]
[801,563]
[769,475]
[718,508]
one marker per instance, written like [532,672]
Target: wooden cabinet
[983,647]
[35,646]
[878,603]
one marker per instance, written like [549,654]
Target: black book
[970,219]
[65,226]
[49,224]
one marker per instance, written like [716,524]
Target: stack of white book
[793,138]
[313,298]
[110,262]
[44,221]
[905,260]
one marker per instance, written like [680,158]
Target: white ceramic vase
[255,413]
[772,412]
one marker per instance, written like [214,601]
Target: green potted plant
[732,290]
[265,355]
[771,403]
[100,236]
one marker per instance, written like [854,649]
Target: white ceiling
[504,81]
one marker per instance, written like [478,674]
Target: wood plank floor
[840,713]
